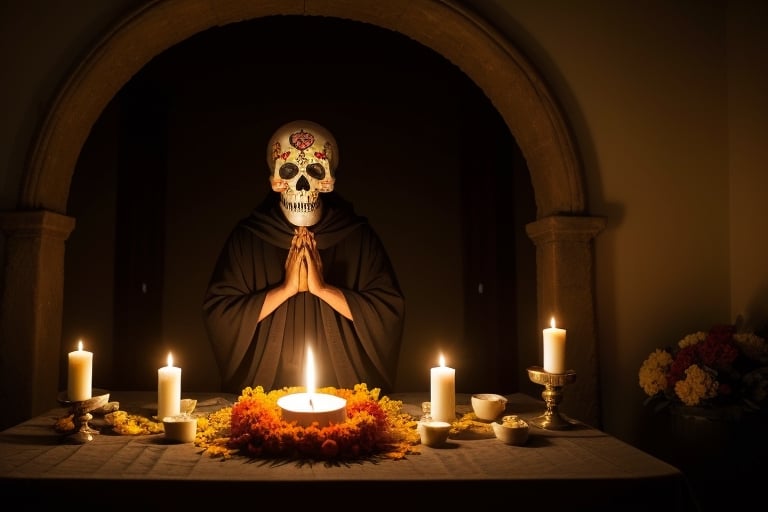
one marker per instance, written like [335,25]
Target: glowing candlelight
[168,390]
[80,374]
[312,407]
[554,349]
[443,392]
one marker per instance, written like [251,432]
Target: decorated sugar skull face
[302,156]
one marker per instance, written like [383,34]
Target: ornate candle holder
[553,394]
[81,414]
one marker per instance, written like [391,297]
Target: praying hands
[304,273]
[303,267]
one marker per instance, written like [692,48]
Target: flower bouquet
[718,368]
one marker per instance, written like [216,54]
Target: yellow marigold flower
[692,339]
[212,429]
[132,424]
[375,427]
[653,372]
[469,426]
[698,385]
[254,427]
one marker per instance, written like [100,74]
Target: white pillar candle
[79,374]
[168,390]
[554,349]
[443,392]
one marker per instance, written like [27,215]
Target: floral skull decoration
[302,157]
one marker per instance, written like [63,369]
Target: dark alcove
[179,155]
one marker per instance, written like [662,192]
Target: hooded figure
[303,270]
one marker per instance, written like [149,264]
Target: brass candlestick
[553,394]
[81,414]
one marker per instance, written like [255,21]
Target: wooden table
[581,468]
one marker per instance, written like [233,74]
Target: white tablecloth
[581,467]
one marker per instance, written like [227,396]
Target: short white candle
[168,390]
[80,374]
[308,408]
[312,407]
[554,349]
[443,392]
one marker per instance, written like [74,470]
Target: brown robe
[270,353]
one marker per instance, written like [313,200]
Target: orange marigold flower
[372,428]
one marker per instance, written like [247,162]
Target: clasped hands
[303,267]
[304,273]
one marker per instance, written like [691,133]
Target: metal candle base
[553,394]
[81,415]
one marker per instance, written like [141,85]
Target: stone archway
[37,231]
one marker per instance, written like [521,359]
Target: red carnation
[685,357]
[718,350]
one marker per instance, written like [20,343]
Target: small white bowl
[180,429]
[511,430]
[488,406]
[433,433]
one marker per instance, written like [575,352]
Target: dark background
[181,155]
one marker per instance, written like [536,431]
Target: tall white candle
[443,392]
[168,390]
[554,349]
[80,374]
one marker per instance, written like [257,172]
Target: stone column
[565,290]
[31,313]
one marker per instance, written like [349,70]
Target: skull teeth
[300,207]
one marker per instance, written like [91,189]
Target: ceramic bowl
[488,406]
[433,433]
[187,405]
[511,430]
[180,429]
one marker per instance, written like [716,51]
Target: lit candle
[312,407]
[554,349]
[168,390]
[80,374]
[443,392]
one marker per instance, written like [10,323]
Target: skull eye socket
[316,171]
[288,171]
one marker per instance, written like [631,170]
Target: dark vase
[705,433]
[720,450]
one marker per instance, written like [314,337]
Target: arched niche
[36,232]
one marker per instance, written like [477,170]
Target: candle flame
[170,359]
[552,323]
[310,375]
[442,360]
[80,345]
